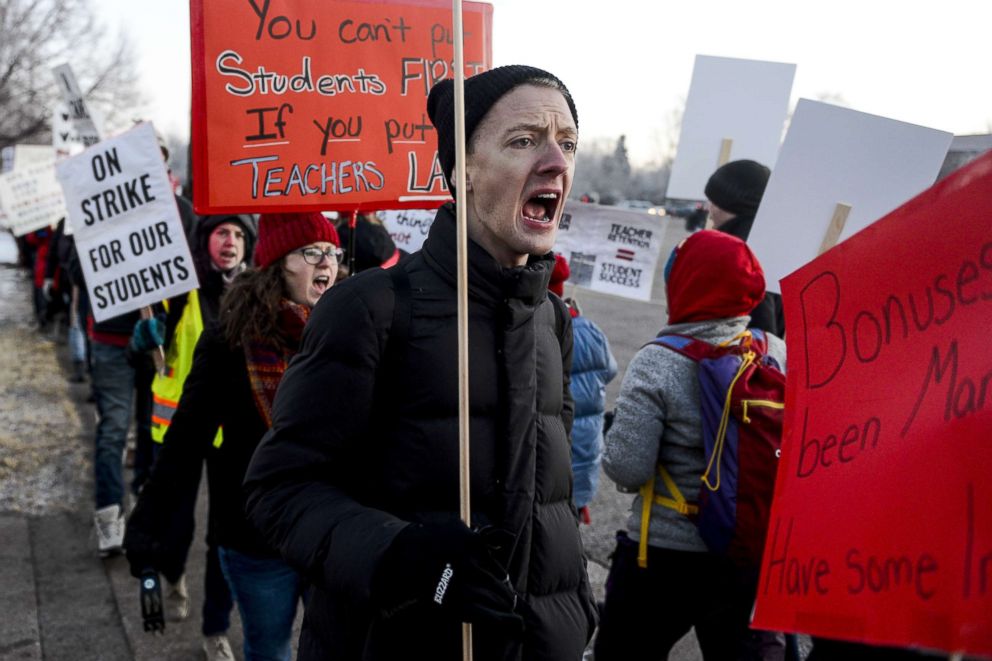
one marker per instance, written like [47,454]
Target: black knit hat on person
[737,186]
[482,91]
[373,245]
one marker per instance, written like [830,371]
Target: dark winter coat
[187,217]
[361,445]
[216,392]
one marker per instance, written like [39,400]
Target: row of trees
[606,175]
[36,35]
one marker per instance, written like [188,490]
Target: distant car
[681,209]
[642,205]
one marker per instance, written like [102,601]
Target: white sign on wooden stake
[79,114]
[128,233]
[744,101]
[836,155]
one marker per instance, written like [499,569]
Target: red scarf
[266,364]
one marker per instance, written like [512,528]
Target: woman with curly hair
[237,367]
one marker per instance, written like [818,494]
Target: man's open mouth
[541,208]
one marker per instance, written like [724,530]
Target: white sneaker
[109,529]
[218,648]
[177,600]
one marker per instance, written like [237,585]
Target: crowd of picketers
[320,389]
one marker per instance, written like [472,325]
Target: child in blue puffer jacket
[593,366]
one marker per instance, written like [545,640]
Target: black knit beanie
[737,186]
[482,91]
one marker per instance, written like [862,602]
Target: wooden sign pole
[725,146]
[352,218]
[835,228]
[158,355]
[461,219]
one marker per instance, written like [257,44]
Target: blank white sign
[745,101]
[836,155]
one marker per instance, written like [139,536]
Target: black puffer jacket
[361,445]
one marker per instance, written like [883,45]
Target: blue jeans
[266,591]
[217,603]
[77,344]
[113,386]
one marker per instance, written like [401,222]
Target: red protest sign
[322,105]
[881,527]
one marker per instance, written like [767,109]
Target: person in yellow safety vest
[168,385]
[222,248]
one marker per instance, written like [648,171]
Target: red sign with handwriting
[322,105]
[881,528]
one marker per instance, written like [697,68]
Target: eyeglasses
[314,256]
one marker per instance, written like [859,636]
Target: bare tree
[673,131]
[36,35]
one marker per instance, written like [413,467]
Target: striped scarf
[266,363]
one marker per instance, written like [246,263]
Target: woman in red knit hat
[237,367]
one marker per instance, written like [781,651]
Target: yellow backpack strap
[677,502]
[721,433]
[647,492]
[648,498]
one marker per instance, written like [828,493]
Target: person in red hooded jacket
[713,282]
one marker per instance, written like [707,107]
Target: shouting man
[357,482]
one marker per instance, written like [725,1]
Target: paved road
[628,325]
[59,602]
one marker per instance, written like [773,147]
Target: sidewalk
[59,601]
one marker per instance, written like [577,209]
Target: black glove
[142,552]
[450,568]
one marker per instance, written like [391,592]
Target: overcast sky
[629,64]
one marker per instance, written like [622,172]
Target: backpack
[742,393]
